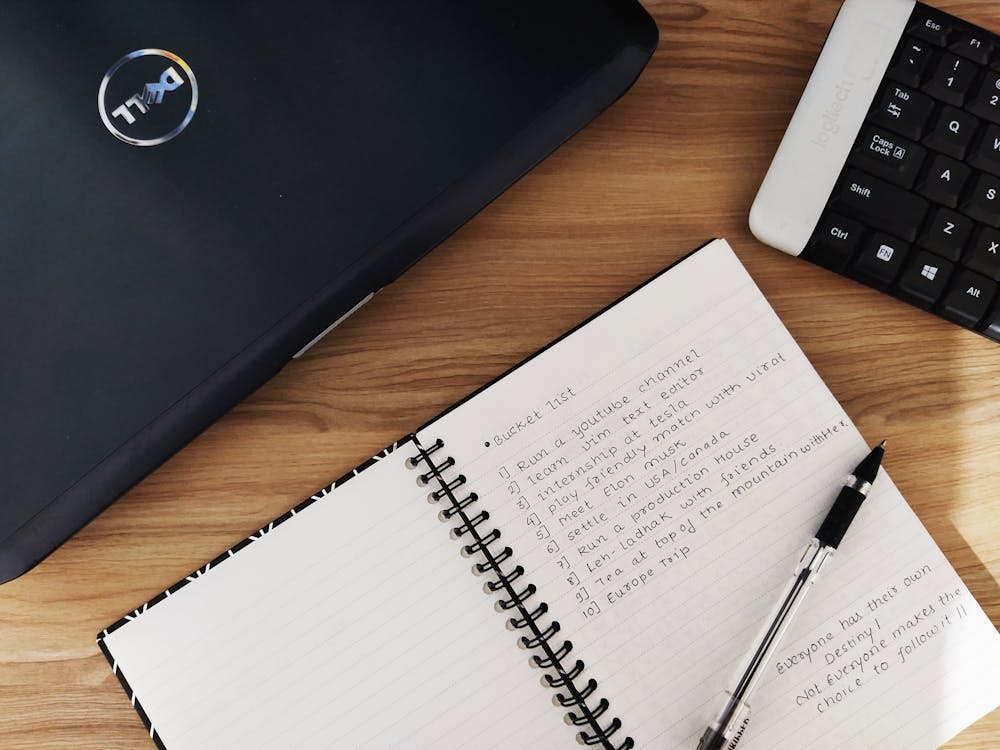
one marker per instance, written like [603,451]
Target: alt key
[968,298]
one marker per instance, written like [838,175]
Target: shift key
[879,205]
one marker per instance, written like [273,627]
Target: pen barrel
[736,709]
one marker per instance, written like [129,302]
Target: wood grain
[677,161]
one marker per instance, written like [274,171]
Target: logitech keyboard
[915,208]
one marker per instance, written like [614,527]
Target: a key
[943,180]
[910,63]
[983,253]
[946,234]
[880,259]
[924,278]
[928,27]
[986,154]
[885,154]
[834,242]
[972,45]
[951,79]
[983,200]
[903,111]
[985,102]
[879,205]
[968,297]
[952,132]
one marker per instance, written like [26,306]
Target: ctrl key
[834,242]
[968,298]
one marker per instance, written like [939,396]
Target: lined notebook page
[355,623]
[659,471]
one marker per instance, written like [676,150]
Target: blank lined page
[658,473]
[355,623]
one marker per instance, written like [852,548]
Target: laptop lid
[192,191]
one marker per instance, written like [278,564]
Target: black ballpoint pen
[726,730]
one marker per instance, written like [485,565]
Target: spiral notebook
[603,528]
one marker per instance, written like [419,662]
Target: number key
[986,101]
[951,79]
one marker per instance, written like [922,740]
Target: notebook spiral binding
[514,600]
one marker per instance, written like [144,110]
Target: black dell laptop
[191,192]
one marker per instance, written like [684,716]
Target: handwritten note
[676,455]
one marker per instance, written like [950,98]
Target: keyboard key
[986,154]
[879,205]
[924,278]
[983,253]
[973,45]
[943,180]
[985,102]
[992,323]
[910,63]
[983,201]
[903,111]
[951,79]
[880,259]
[968,298]
[886,155]
[952,132]
[946,234]
[929,27]
[834,242]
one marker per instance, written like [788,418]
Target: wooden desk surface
[677,161]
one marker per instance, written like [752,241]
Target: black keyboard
[916,210]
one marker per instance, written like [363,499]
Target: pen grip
[840,516]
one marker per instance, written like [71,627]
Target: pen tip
[882,444]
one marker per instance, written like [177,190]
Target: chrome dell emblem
[148,97]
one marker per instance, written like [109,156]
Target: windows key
[924,279]
[880,260]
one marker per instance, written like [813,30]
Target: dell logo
[147,97]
